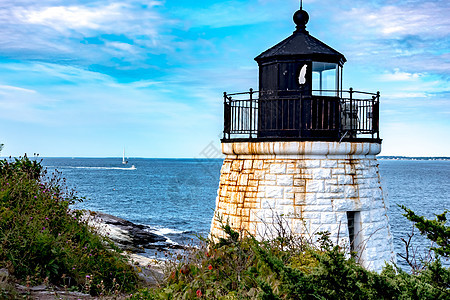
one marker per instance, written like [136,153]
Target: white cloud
[400,76]
[405,95]
[71,17]
[429,18]
[86,34]
[116,17]
[15,88]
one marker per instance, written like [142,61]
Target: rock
[127,235]
[4,274]
[42,292]
[149,270]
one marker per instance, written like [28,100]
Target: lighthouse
[301,153]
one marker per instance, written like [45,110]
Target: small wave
[163,231]
[92,168]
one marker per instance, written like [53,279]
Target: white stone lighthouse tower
[302,150]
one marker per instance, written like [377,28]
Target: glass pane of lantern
[324,78]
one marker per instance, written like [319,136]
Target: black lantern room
[300,96]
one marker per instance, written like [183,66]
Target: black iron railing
[288,115]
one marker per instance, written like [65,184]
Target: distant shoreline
[445,158]
[384,157]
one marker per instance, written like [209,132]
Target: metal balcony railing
[288,115]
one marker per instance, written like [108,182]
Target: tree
[435,230]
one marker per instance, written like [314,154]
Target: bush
[289,268]
[43,240]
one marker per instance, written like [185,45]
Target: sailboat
[124,161]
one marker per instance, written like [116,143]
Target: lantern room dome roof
[301,45]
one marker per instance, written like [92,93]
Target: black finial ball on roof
[301,18]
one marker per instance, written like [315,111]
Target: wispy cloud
[428,18]
[15,88]
[398,34]
[398,75]
[86,34]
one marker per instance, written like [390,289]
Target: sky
[85,78]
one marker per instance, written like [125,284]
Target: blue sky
[87,78]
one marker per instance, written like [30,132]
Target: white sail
[124,161]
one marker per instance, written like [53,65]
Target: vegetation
[435,230]
[290,268]
[43,240]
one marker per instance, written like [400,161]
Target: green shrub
[289,268]
[42,239]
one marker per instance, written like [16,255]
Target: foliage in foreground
[435,230]
[42,240]
[289,268]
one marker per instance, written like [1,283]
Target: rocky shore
[127,235]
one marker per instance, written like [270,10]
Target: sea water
[176,197]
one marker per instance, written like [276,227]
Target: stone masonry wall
[307,194]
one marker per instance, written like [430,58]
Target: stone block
[377,194]
[241,188]
[243,179]
[350,191]
[299,189]
[288,189]
[312,163]
[318,208]
[226,167]
[289,195]
[237,197]
[335,189]
[270,177]
[274,192]
[278,168]
[365,217]
[251,189]
[365,193]
[350,169]
[344,205]
[234,176]
[292,171]
[345,179]
[258,164]
[285,180]
[321,173]
[248,164]
[311,216]
[329,163]
[321,201]
[223,191]
[338,171]
[310,198]
[315,186]
[328,196]
[259,174]
[269,182]
[285,202]
[237,165]
[299,182]
[300,198]
[328,218]
[253,183]
[260,194]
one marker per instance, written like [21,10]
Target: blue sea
[176,197]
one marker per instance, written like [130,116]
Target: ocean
[176,197]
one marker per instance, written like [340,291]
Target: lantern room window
[325,78]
